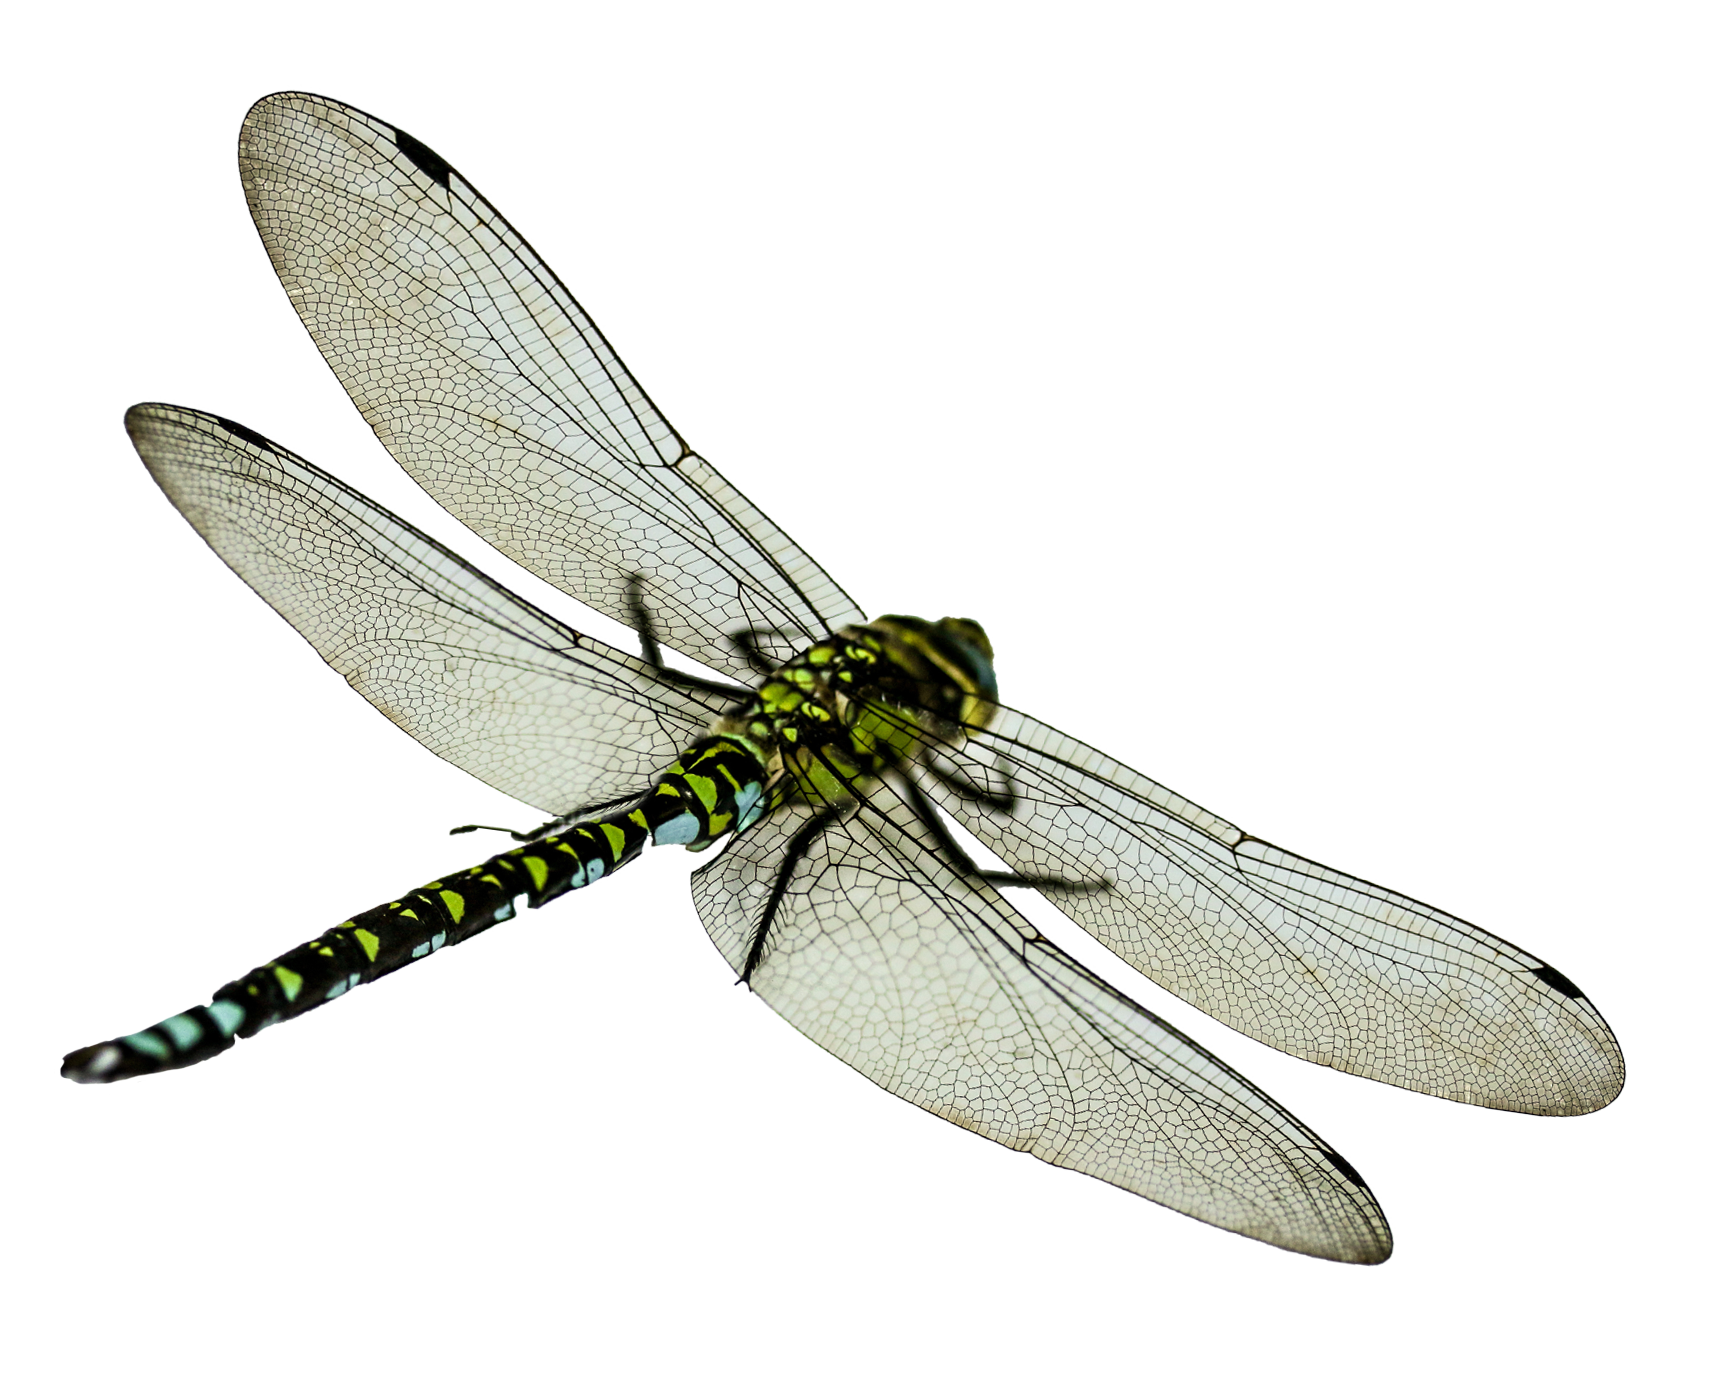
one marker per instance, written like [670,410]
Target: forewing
[489,384]
[928,983]
[1304,958]
[469,669]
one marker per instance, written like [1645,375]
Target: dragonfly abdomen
[716,786]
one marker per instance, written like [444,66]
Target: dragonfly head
[952,663]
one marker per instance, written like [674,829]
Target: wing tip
[183,415]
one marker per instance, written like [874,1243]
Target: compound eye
[967,632]
[971,648]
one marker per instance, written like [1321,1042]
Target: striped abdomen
[716,786]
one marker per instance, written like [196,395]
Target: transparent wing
[929,984]
[487,382]
[1304,958]
[469,669]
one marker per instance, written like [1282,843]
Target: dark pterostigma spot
[1344,1167]
[424,158]
[1558,981]
[251,436]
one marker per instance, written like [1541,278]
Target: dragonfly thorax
[864,701]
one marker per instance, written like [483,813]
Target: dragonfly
[831,756]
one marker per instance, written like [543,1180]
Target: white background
[1317,403]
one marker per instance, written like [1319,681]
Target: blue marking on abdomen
[147,1042]
[183,1031]
[348,984]
[681,829]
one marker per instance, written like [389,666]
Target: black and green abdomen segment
[717,786]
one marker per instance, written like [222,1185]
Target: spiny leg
[927,813]
[1003,800]
[947,728]
[746,643]
[643,623]
[799,846]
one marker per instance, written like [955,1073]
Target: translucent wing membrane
[871,933]
[469,669]
[929,984]
[489,384]
[1297,955]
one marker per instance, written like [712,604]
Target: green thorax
[870,699]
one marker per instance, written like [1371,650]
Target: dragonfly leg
[643,622]
[746,642]
[996,801]
[963,861]
[799,846]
